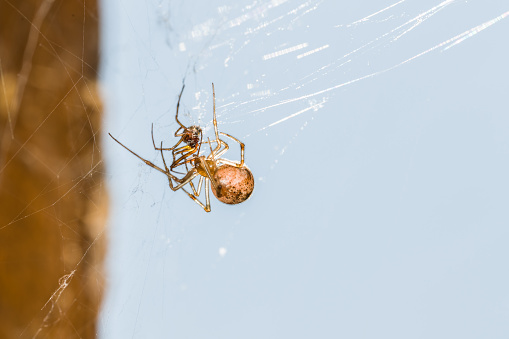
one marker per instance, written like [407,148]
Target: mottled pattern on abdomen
[235,184]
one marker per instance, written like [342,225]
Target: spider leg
[242,146]
[181,182]
[184,181]
[199,144]
[183,149]
[214,108]
[206,207]
[219,153]
[187,179]
[165,149]
[207,178]
[214,120]
[179,162]
[197,191]
[178,104]
[167,172]
[207,195]
[142,159]
[229,162]
[210,143]
[199,185]
[185,162]
[209,175]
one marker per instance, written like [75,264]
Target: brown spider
[232,182]
[191,136]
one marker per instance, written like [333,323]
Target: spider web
[358,119]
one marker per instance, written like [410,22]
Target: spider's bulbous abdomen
[234,184]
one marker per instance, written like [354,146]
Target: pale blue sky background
[381,202]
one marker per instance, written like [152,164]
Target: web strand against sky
[309,52]
[321,51]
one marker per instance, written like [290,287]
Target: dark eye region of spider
[192,136]
[234,184]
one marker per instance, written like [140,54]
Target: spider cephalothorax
[192,136]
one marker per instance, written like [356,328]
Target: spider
[191,136]
[232,182]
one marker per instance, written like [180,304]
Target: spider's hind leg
[242,146]
[206,207]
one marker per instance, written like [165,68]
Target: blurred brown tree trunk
[53,202]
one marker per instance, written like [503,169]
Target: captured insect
[232,182]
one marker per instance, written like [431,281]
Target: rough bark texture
[53,202]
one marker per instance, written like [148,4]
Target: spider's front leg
[180,182]
[169,148]
[149,163]
[187,179]
[183,153]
